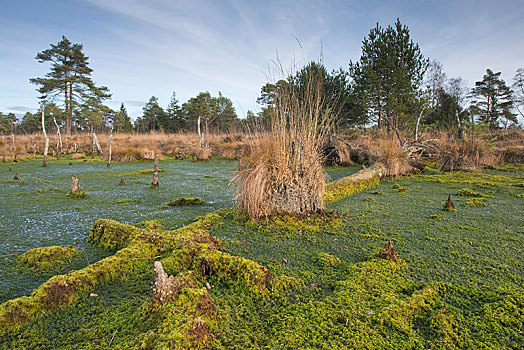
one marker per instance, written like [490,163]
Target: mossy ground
[46,258]
[459,286]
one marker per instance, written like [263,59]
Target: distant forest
[391,85]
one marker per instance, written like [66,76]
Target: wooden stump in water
[154,183]
[389,253]
[122,182]
[76,190]
[16,177]
[449,205]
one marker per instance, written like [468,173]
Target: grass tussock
[388,151]
[466,155]
[282,171]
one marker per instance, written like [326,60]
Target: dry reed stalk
[283,169]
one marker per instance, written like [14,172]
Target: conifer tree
[492,100]
[69,78]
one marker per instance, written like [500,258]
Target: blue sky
[154,47]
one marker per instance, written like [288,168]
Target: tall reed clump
[466,155]
[282,172]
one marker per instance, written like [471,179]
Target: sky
[156,47]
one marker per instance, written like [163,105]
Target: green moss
[475,202]
[128,200]
[186,201]
[112,234]
[470,193]
[46,258]
[474,179]
[437,216]
[76,195]
[379,193]
[510,167]
[370,199]
[149,171]
[150,224]
[282,223]
[325,260]
[347,185]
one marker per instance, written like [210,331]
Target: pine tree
[121,121]
[69,78]
[152,114]
[389,74]
[492,100]
[174,118]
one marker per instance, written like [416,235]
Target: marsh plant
[282,171]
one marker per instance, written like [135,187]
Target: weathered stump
[76,190]
[449,205]
[389,253]
[154,183]
[15,178]
[122,182]
[165,287]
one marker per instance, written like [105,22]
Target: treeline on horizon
[391,85]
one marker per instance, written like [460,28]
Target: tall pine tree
[69,79]
[389,74]
[492,100]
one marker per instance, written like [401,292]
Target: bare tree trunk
[46,147]
[59,139]
[110,147]
[97,144]
[418,122]
[154,183]
[200,135]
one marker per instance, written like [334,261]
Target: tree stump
[165,287]
[389,253]
[76,190]
[154,183]
[449,205]
[122,182]
[15,178]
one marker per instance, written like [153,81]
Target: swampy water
[34,212]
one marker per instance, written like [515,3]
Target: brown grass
[131,147]
[282,171]
[466,155]
[386,149]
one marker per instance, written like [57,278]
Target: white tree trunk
[46,139]
[58,140]
[110,147]
[97,144]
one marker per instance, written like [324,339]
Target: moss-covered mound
[46,258]
[190,248]
[76,195]
[150,224]
[185,201]
[345,186]
[149,171]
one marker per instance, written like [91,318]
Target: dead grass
[386,149]
[131,147]
[466,155]
[282,170]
